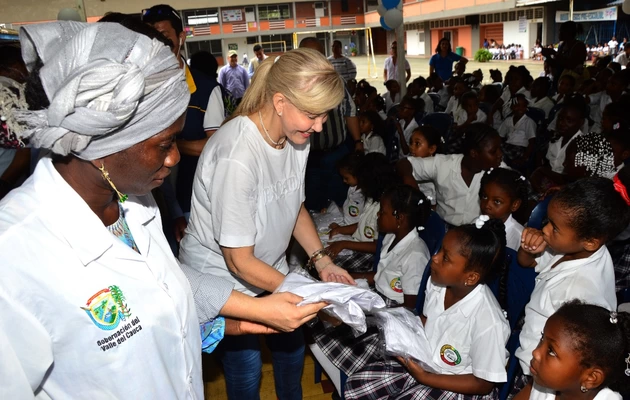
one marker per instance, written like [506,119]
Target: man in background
[259,52]
[342,64]
[234,77]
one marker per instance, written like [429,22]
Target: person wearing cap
[201,119]
[234,77]
[94,304]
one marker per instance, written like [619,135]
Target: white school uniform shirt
[373,143]
[245,193]
[457,203]
[470,336]
[428,103]
[506,96]
[407,132]
[513,232]
[557,153]
[545,104]
[389,102]
[598,101]
[400,269]
[591,280]
[84,315]
[428,190]
[519,133]
[453,105]
[353,206]
[461,116]
[541,393]
[444,96]
[367,230]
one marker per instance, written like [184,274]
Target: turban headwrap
[109,88]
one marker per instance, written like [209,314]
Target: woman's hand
[333,273]
[236,327]
[532,241]
[280,311]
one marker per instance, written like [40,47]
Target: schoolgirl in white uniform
[569,254]
[502,193]
[457,177]
[592,343]
[464,325]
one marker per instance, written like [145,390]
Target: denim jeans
[242,365]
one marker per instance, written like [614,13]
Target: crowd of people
[115,276]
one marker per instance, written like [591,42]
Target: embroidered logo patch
[396,285]
[353,211]
[107,308]
[450,355]
[368,232]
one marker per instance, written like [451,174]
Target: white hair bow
[481,220]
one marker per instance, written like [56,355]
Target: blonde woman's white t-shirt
[245,193]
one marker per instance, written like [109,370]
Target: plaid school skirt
[512,152]
[346,352]
[356,262]
[388,379]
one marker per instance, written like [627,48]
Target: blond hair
[304,76]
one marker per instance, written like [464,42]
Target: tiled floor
[215,385]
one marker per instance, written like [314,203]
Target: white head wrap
[109,87]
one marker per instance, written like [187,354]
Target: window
[211,46]
[252,39]
[275,11]
[201,17]
[276,43]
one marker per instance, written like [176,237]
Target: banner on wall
[522,25]
[602,14]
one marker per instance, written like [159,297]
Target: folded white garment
[323,220]
[347,303]
[405,336]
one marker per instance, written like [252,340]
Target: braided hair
[412,203]
[595,153]
[509,180]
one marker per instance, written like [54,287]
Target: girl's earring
[583,389]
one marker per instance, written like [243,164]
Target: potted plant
[353,51]
[483,55]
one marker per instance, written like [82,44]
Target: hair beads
[595,153]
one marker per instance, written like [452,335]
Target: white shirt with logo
[367,229]
[400,269]
[353,206]
[470,336]
[83,315]
[245,193]
[591,280]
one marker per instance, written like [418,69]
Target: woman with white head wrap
[94,302]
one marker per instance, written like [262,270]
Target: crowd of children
[482,157]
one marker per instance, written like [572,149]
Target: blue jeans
[242,365]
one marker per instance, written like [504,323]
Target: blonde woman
[248,196]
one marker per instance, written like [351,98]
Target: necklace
[279,143]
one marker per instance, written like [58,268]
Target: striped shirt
[344,66]
[334,131]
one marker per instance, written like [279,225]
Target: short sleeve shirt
[367,230]
[444,65]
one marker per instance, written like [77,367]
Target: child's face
[565,87]
[558,233]
[406,111]
[489,154]
[496,202]
[394,87]
[471,106]
[619,152]
[519,108]
[478,76]
[555,362]
[365,126]
[569,122]
[348,178]
[459,89]
[419,147]
[614,87]
[387,222]
[448,265]
[538,90]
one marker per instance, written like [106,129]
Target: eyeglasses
[162,10]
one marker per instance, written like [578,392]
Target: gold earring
[121,196]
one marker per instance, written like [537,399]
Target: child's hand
[335,248]
[323,210]
[532,241]
[333,225]
[414,369]
[334,231]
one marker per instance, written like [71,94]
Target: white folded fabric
[405,336]
[347,303]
